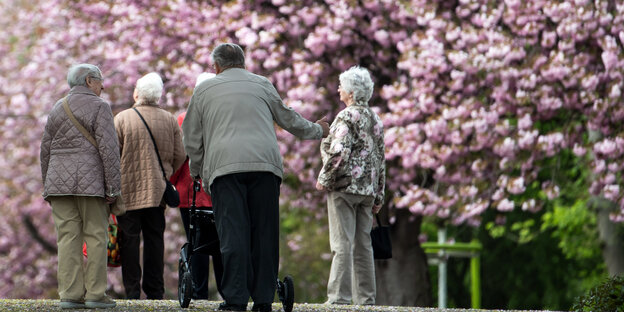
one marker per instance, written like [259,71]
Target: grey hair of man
[149,89]
[228,55]
[357,81]
[77,74]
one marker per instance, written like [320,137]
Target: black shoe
[224,306]
[262,307]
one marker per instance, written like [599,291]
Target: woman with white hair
[354,174]
[143,185]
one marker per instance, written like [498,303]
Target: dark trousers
[200,262]
[246,207]
[151,222]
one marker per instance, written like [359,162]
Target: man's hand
[319,186]
[110,200]
[196,178]
[323,123]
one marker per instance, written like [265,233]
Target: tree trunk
[611,237]
[404,279]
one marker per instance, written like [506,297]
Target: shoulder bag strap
[153,141]
[77,124]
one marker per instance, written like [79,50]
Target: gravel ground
[204,305]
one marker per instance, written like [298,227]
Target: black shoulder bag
[380,237]
[171,195]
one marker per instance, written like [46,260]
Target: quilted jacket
[70,164]
[142,182]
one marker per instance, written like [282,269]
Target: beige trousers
[352,274]
[81,219]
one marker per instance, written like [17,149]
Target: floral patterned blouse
[353,153]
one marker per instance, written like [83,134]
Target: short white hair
[357,81]
[202,77]
[149,88]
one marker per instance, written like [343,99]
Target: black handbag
[171,195]
[380,237]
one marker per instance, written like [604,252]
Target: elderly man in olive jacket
[230,139]
[80,179]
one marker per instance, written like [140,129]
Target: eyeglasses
[97,78]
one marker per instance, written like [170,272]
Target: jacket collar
[145,105]
[81,90]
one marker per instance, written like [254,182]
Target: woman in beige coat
[143,185]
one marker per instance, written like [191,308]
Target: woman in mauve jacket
[80,179]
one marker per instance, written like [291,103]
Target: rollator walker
[203,238]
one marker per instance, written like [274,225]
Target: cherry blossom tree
[478,97]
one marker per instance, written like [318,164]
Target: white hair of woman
[148,89]
[202,77]
[357,82]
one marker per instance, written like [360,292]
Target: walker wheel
[185,286]
[288,296]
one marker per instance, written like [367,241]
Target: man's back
[237,111]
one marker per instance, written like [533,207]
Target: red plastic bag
[112,246]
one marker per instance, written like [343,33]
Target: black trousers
[246,207]
[150,222]
[200,262]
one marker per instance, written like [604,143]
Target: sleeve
[108,146]
[289,119]
[175,177]
[381,183]
[120,135]
[179,156]
[335,152]
[193,138]
[44,154]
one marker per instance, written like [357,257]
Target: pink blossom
[516,186]
[505,205]
[525,122]
[579,150]
[612,192]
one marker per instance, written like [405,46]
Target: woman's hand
[319,186]
[376,208]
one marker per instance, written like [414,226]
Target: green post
[475,281]
[471,250]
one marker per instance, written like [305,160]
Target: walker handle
[196,188]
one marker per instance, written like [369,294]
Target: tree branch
[30,226]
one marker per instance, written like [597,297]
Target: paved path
[204,305]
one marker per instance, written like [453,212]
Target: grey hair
[228,55]
[149,88]
[357,81]
[77,74]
